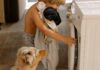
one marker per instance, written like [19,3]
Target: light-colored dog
[28,58]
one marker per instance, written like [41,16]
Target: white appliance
[86,19]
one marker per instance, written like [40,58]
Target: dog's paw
[42,53]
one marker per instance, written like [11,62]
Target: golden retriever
[28,58]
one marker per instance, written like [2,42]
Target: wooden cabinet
[2,17]
[11,10]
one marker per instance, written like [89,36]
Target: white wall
[22,5]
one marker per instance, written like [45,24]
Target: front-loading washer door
[73,50]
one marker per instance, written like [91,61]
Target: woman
[33,22]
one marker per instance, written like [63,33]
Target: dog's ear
[42,53]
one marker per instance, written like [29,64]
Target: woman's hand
[69,40]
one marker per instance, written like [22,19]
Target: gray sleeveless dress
[41,41]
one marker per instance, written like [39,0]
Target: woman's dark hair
[52,14]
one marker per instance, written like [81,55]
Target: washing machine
[85,27]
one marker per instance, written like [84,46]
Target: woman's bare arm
[40,24]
